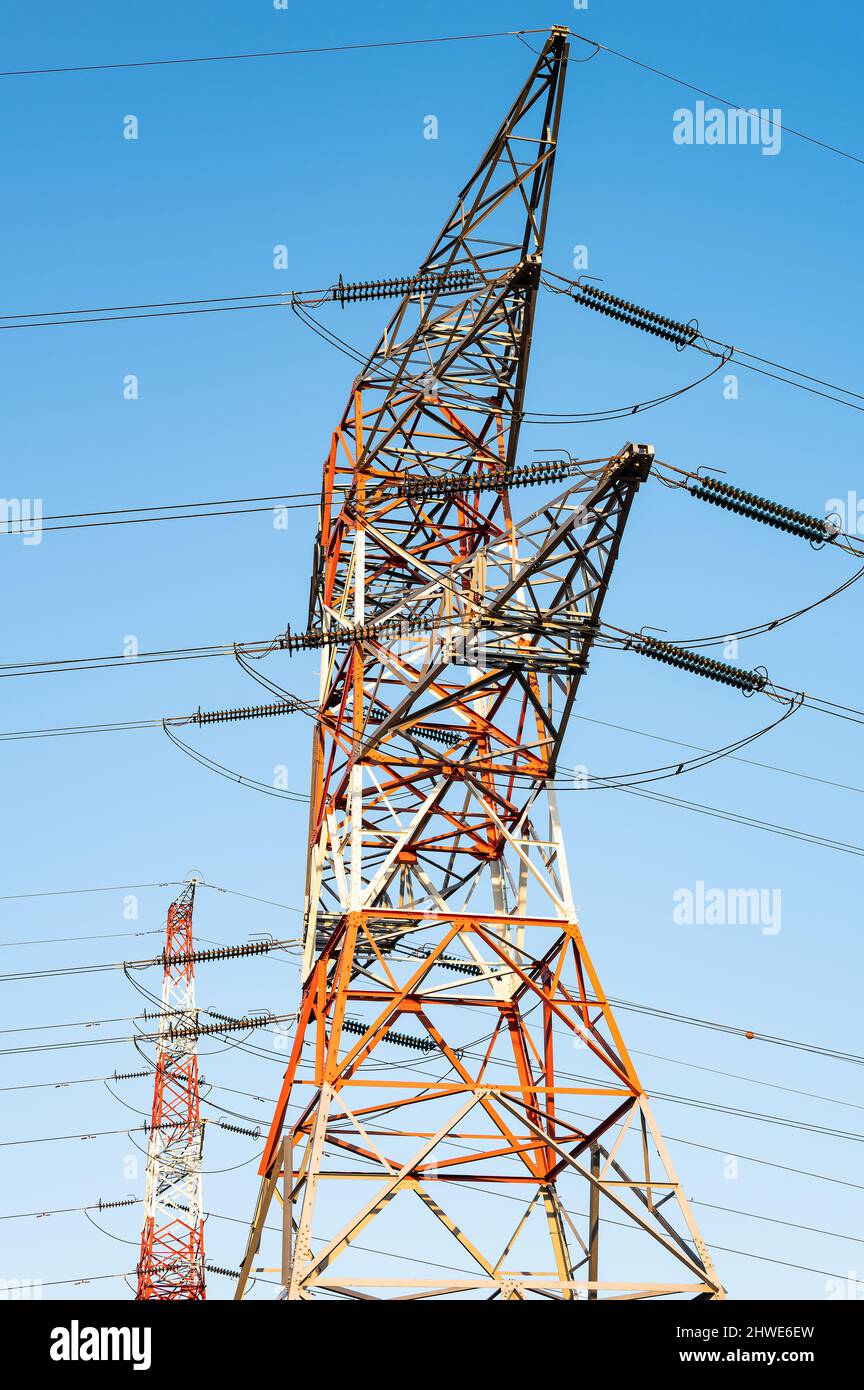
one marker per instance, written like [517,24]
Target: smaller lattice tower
[172,1241]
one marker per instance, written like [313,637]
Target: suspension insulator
[455,963]
[681,334]
[250,948]
[749,504]
[225,1025]
[428,282]
[434,735]
[363,632]
[239,1129]
[409,1040]
[496,480]
[226,716]
[378,714]
[699,665]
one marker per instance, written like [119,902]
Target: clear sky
[326,155]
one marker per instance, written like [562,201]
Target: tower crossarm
[457,718]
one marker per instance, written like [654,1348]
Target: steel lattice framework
[171,1266]
[439,904]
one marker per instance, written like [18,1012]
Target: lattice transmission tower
[171,1264]
[507,1150]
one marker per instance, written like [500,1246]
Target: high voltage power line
[100,1206]
[753,1215]
[257,1278]
[678,1139]
[727,353]
[704,487]
[784,1122]
[60,940]
[128,887]
[122,726]
[272,53]
[587,294]
[85,521]
[611,637]
[144,520]
[694,807]
[258,948]
[689,335]
[69,1045]
[726,1152]
[255,948]
[682,82]
[116,1076]
[332,49]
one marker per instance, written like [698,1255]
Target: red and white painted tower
[172,1241]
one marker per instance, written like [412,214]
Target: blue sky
[326,155]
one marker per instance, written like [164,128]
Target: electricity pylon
[171,1265]
[439,909]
